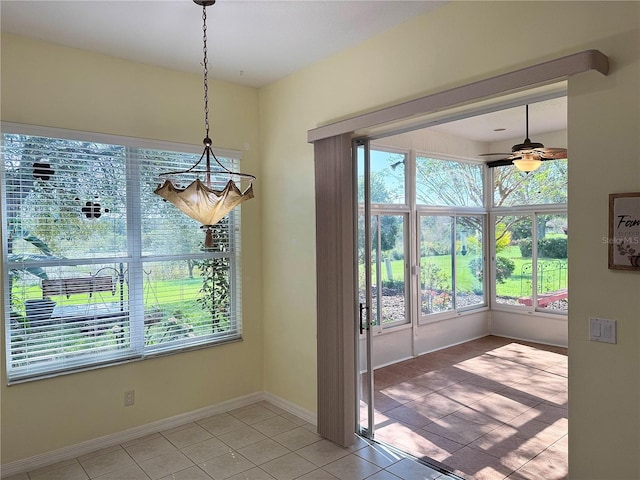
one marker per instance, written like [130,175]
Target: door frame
[335,211]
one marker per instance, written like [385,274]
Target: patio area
[489,409]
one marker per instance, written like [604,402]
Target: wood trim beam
[536,75]
[336,291]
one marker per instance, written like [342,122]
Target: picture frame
[624,231]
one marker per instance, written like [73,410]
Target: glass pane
[364,390]
[80,217]
[469,262]
[361,266]
[360,177]
[546,185]
[65,316]
[162,222]
[553,293]
[187,301]
[361,261]
[513,279]
[65,198]
[387,177]
[435,264]
[392,270]
[376,280]
[446,182]
[363,378]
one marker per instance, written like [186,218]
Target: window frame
[379,326]
[460,212]
[525,206]
[137,350]
[532,211]
[453,211]
[415,154]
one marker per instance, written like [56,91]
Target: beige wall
[48,85]
[457,44]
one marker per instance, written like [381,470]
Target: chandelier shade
[205,205]
[199,200]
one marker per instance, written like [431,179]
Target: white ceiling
[250,42]
[544,116]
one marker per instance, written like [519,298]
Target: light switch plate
[602,330]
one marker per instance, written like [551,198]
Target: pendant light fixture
[200,200]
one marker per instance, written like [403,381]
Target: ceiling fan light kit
[528,163]
[527,156]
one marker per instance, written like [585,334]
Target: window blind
[99,269]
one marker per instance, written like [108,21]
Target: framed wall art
[624,231]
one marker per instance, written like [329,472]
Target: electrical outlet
[129,398]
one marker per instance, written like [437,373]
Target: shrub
[430,249]
[392,287]
[548,247]
[436,296]
[473,245]
[504,268]
[476,267]
[552,247]
[522,229]
[526,247]
[433,277]
[397,254]
[503,237]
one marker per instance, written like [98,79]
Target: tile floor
[489,409]
[256,442]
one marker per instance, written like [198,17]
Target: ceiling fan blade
[517,151]
[494,154]
[500,163]
[509,160]
[552,153]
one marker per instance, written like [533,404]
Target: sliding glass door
[365,407]
[382,262]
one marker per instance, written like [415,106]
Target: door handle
[363,307]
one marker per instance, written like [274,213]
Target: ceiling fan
[527,156]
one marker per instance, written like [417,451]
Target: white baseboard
[292,408]
[73,451]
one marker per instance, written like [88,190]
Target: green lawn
[189,288]
[174,298]
[516,285]
[172,301]
[465,280]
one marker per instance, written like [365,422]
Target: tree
[58,189]
[164,214]
[512,187]
[546,185]
[389,224]
[451,183]
[15,304]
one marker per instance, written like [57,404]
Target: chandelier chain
[200,200]
[205,65]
